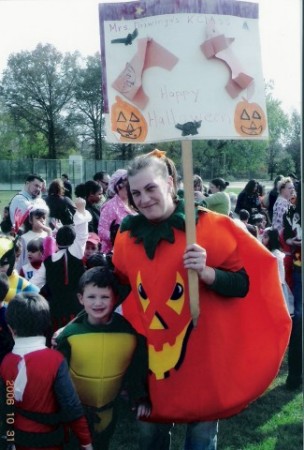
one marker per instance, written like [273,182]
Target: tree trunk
[52,140]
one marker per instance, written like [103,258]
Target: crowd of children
[63,263]
[57,277]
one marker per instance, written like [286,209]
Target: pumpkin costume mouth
[170,356]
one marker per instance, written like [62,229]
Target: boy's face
[98,302]
[34,256]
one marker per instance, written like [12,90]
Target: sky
[72,25]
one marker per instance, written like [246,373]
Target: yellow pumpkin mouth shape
[170,356]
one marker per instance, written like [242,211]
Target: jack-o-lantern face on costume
[169,325]
[249,119]
[128,121]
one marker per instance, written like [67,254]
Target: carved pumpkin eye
[177,299]
[178,292]
[142,292]
[143,297]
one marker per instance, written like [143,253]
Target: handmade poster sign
[175,70]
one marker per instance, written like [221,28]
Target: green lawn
[5,197]
[273,422]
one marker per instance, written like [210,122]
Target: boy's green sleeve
[63,347]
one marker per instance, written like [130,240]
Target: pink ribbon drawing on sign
[149,54]
[219,46]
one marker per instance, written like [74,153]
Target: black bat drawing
[189,127]
[127,40]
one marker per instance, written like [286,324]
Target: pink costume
[112,211]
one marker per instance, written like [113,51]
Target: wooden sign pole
[190,225]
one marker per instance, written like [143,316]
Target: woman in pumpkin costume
[216,369]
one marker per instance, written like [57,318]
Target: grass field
[273,422]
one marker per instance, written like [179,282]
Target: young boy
[103,351]
[37,391]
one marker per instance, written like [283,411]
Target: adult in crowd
[270,198]
[23,201]
[91,191]
[200,190]
[114,210]
[191,376]
[282,203]
[292,233]
[68,189]
[218,200]
[62,208]
[249,199]
[295,180]
[103,179]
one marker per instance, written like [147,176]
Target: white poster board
[175,70]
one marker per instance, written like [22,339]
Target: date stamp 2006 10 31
[10,416]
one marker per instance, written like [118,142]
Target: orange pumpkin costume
[231,357]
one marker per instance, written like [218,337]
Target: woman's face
[152,194]
[213,189]
[287,191]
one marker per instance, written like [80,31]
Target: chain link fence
[14,172]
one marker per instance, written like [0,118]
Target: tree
[87,106]
[293,147]
[36,88]
[278,125]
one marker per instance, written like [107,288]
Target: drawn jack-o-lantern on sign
[249,119]
[128,122]
[169,327]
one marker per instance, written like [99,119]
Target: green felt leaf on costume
[151,233]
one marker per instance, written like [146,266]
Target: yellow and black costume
[101,358]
